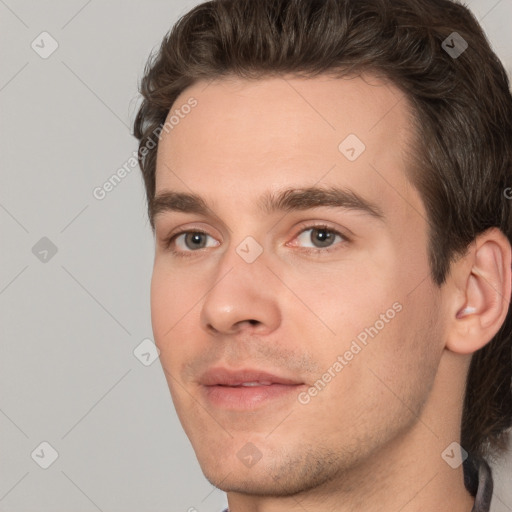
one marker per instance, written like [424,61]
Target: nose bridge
[242,290]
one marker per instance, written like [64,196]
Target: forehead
[247,136]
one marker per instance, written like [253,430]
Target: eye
[322,237]
[187,242]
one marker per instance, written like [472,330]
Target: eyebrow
[287,200]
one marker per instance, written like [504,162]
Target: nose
[243,296]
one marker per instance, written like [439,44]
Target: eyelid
[187,229]
[304,226]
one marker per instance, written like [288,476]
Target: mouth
[246,389]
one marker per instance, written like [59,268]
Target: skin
[372,439]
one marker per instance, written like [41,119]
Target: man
[327,184]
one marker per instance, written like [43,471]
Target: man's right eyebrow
[170,201]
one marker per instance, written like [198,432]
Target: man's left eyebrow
[287,200]
[316,197]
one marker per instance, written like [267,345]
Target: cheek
[171,305]
[163,305]
[351,300]
[169,309]
[387,377]
[384,322]
[173,295]
[403,358]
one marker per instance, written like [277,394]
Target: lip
[225,377]
[223,388]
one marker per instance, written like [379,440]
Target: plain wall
[70,321]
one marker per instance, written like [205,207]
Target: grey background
[70,323]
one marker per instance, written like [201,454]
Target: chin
[256,484]
[274,475]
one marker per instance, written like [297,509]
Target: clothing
[478,482]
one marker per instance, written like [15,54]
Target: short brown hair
[463,123]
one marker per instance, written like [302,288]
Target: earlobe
[484,278]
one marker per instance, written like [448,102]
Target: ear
[480,298]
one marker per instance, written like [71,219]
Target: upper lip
[226,377]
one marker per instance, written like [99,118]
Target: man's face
[296,343]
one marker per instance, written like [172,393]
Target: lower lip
[249,397]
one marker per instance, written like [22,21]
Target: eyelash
[186,254]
